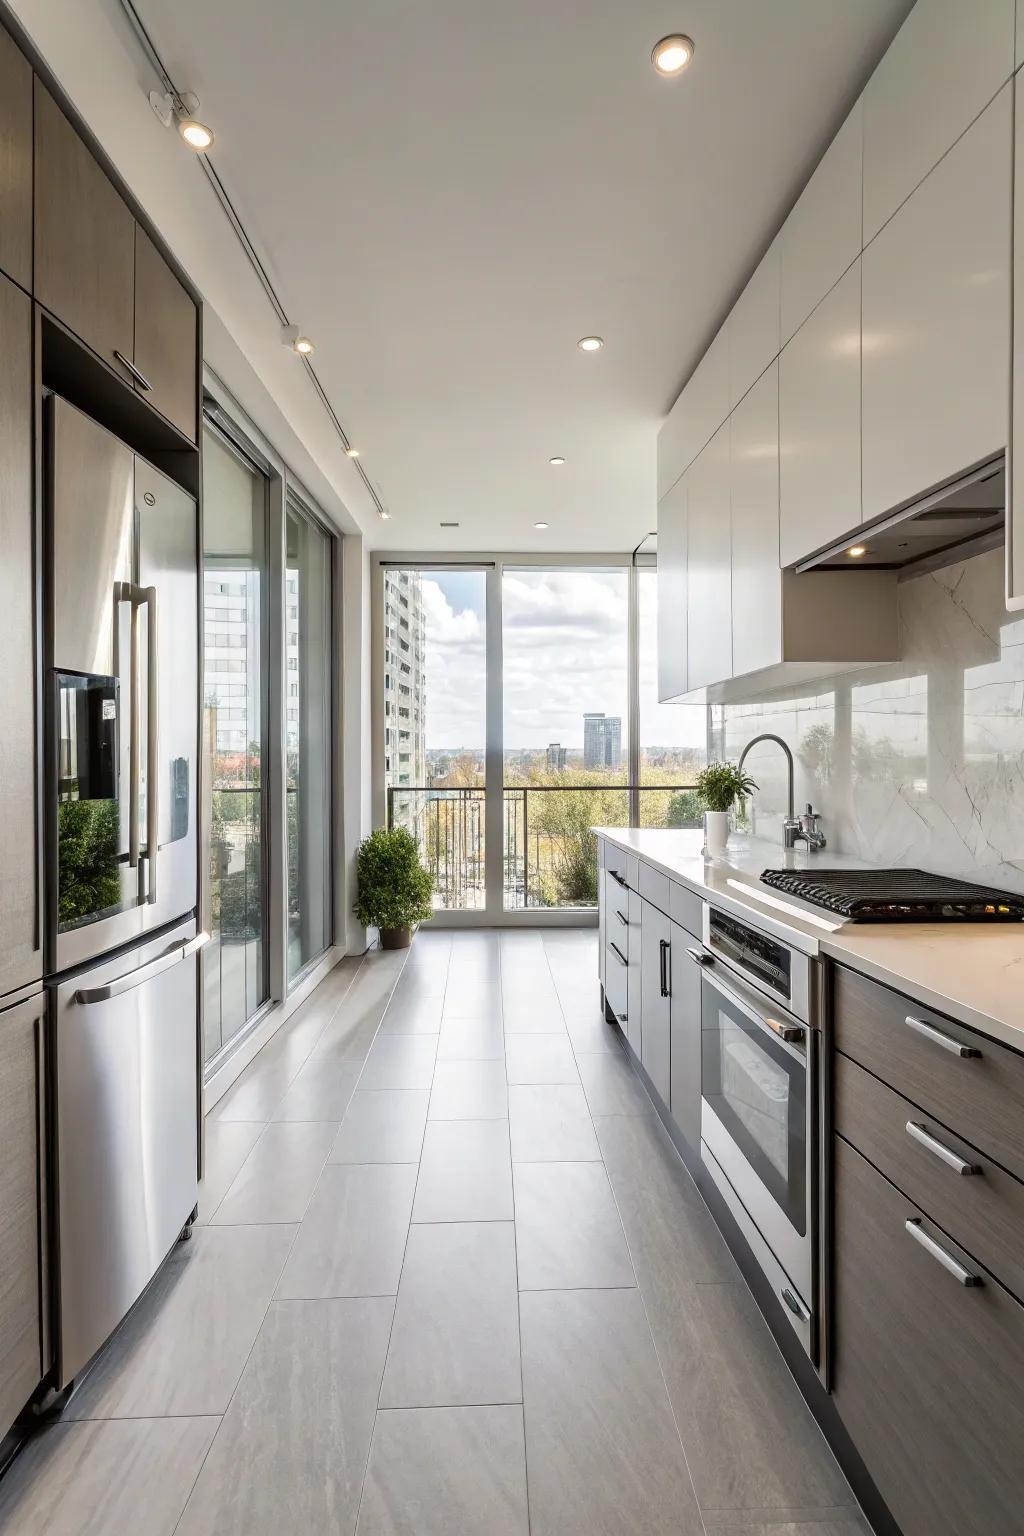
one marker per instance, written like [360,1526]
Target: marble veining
[917,764]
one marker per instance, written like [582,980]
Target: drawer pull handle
[935,1147]
[917,1232]
[623,920]
[620,879]
[617,952]
[939,1037]
[795,1305]
[140,378]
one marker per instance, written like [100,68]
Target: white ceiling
[448,195]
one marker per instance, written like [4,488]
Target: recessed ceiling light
[353,453]
[540,525]
[590,343]
[385,517]
[857,550]
[672,54]
[196,134]
[556,460]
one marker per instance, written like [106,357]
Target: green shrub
[394,888]
[88,833]
[720,784]
[683,809]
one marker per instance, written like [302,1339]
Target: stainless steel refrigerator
[121,668]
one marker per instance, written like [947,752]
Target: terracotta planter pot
[395,938]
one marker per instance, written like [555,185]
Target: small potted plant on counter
[719,786]
[394,888]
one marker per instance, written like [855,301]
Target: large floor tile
[465,1172]
[540,1059]
[550,1123]
[96,1479]
[611,1086]
[468,996]
[400,1061]
[592,1036]
[476,1038]
[529,1013]
[446,1472]
[320,1090]
[672,1235]
[469,1090]
[228,1144]
[353,1234]
[278,1177]
[749,1436]
[788,1522]
[455,1338]
[182,1349]
[261,1087]
[568,1232]
[382,1125]
[291,1451]
[602,1449]
[412,1016]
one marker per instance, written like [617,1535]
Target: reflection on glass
[307,626]
[435,723]
[235,980]
[91,857]
[673,737]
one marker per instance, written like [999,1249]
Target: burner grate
[897,895]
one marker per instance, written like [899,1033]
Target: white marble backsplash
[920,764]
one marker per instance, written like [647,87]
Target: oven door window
[758,1090]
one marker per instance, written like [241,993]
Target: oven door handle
[791,1034]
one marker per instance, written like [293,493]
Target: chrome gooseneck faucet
[794,829]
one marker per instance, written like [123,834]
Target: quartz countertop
[974,972]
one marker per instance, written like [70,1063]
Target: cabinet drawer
[616,905]
[983,1210]
[980,1096]
[655,888]
[20,1362]
[927,1370]
[615,974]
[687,910]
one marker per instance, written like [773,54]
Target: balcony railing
[549,854]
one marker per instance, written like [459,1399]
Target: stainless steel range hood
[963,518]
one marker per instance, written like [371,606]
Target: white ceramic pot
[717,825]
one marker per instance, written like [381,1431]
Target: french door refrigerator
[121,664]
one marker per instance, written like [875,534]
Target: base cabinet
[632,1020]
[929,1362]
[20,1338]
[685,1032]
[655,999]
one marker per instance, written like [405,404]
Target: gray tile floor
[450,1277]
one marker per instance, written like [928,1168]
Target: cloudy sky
[564,652]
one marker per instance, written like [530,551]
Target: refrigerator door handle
[152,743]
[125,592]
[142,973]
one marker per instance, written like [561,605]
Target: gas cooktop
[897,895]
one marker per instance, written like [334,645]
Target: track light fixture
[172,108]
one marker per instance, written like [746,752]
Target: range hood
[963,518]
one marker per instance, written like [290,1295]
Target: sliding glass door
[235,962]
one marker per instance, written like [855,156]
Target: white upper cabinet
[819,425]
[756,583]
[945,64]
[754,326]
[708,573]
[822,235]
[697,414]
[936,295]
[671,591]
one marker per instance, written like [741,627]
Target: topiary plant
[720,784]
[394,888]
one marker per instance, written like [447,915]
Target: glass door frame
[494,564]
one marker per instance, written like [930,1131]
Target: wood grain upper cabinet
[84,239]
[943,67]
[1015,504]
[165,337]
[754,326]
[756,581]
[936,297]
[822,236]
[672,591]
[20,1361]
[15,162]
[655,996]
[708,566]
[21,958]
[942,1438]
[820,426]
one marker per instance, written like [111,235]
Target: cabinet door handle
[663,947]
[623,920]
[937,1149]
[939,1037]
[620,879]
[137,375]
[939,1254]
[699,957]
[795,1305]
[617,952]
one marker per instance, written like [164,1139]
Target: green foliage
[88,833]
[394,888]
[720,784]
[683,809]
